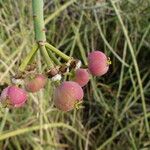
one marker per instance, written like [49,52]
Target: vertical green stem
[39,28]
[40,37]
[46,56]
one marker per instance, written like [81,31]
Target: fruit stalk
[28,58]
[58,52]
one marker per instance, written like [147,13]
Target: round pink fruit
[98,63]
[81,77]
[13,96]
[67,95]
[36,83]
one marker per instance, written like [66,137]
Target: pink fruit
[81,77]
[98,63]
[13,96]
[36,83]
[67,95]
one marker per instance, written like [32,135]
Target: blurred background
[116,105]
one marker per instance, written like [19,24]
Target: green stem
[58,52]
[39,28]
[54,58]
[46,56]
[9,134]
[28,58]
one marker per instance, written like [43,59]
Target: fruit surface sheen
[81,77]
[67,95]
[35,84]
[98,63]
[13,96]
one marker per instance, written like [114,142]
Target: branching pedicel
[68,94]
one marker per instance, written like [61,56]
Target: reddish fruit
[81,77]
[98,63]
[36,83]
[13,96]
[67,95]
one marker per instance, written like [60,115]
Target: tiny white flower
[67,70]
[57,77]
[17,81]
[78,65]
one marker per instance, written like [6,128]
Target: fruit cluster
[68,94]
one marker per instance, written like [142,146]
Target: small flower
[17,81]
[75,64]
[57,77]
[78,65]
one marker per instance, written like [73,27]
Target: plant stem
[39,28]
[54,58]
[28,58]
[46,56]
[58,52]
